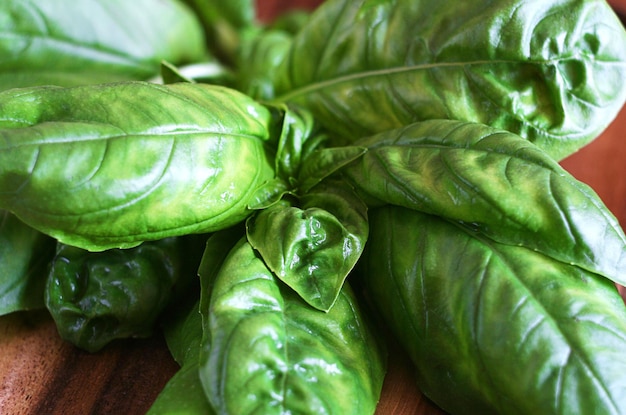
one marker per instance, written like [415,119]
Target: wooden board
[41,374]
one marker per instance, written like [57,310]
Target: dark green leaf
[183,394]
[113,165]
[68,42]
[270,353]
[549,70]
[24,257]
[493,328]
[494,183]
[96,297]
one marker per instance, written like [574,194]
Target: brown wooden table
[42,375]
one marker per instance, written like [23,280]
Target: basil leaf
[257,58]
[550,71]
[493,328]
[324,162]
[494,183]
[66,43]
[225,23]
[183,393]
[96,297]
[298,128]
[290,357]
[312,249]
[24,257]
[113,165]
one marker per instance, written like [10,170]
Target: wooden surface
[42,375]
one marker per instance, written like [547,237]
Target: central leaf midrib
[319,85]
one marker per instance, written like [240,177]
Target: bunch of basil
[391,160]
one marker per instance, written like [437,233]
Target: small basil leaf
[269,193]
[112,165]
[216,250]
[549,70]
[297,128]
[170,74]
[24,257]
[257,58]
[312,249]
[66,43]
[183,393]
[322,163]
[271,353]
[96,297]
[495,183]
[493,328]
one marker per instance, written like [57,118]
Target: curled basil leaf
[66,43]
[551,71]
[290,357]
[96,297]
[494,183]
[113,165]
[493,328]
[24,257]
[312,248]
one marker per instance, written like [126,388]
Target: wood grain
[41,374]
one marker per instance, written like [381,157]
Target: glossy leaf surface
[494,183]
[312,248]
[550,71]
[290,357]
[96,297]
[113,165]
[24,256]
[492,328]
[60,42]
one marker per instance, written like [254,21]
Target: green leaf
[224,23]
[496,184]
[257,58]
[113,165]
[298,130]
[66,43]
[312,249]
[549,70]
[324,162]
[97,297]
[183,394]
[493,328]
[269,193]
[271,353]
[24,257]
[170,74]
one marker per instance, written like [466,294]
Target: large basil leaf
[494,183]
[68,42]
[313,248]
[271,353]
[24,257]
[549,70]
[492,328]
[112,165]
